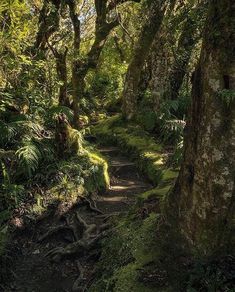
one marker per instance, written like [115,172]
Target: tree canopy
[117,151]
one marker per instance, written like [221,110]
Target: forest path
[32,271]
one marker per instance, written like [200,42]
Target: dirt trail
[32,271]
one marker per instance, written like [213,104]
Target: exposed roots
[53,231]
[91,205]
[90,235]
[86,238]
[105,217]
[78,285]
[86,235]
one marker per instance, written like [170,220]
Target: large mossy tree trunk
[61,69]
[156,12]
[159,57]
[62,74]
[190,35]
[202,203]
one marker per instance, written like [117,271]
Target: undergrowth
[35,171]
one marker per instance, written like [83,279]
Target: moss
[132,247]
[127,280]
[99,178]
[139,237]
[143,149]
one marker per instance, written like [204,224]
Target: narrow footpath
[39,257]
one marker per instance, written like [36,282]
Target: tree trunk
[203,199]
[160,60]
[191,33]
[61,68]
[156,11]
[81,67]
[49,21]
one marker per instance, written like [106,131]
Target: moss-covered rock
[98,179]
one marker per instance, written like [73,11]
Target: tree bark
[82,66]
[156,11]
[202,203]
[191,34]
[49,21]
[160,63]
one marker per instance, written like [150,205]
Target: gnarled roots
[86,237]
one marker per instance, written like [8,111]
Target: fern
[29,156]
[13,131]
[34,128]
[8,133]
[46,148]
[172,131]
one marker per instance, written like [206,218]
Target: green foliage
[54,111]
[10,194]
[3,238]
[172,131]
[147,119]
[8,133]
[177,156]
[227,97]
[29,156]
[212,275]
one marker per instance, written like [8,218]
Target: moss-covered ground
[142,255]
[134,247]
[149,155]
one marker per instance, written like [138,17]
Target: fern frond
[46,148]
[8,133]
[172,131]
[29,156]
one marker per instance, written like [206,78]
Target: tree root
[92,205]
[77,286]
[86,236]
[79,248]
[105,217]
[53,231]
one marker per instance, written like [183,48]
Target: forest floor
[32,266]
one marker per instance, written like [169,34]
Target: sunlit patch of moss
[38,208]
[75,140]
[99,180]
[133,140]
[156,192]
